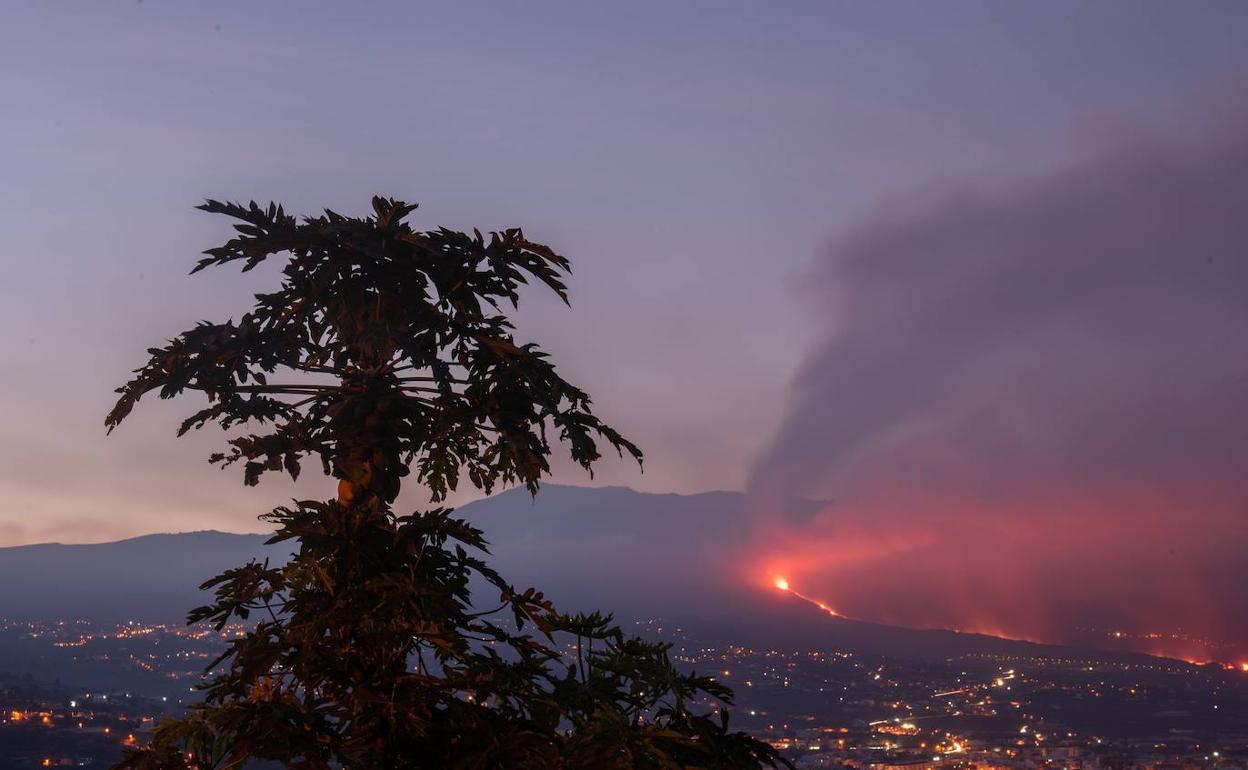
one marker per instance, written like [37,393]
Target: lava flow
[783,585]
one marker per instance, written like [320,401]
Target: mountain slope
[639,555]
[154,576]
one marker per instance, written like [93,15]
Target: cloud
[1042,387]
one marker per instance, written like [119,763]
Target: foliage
[365,650]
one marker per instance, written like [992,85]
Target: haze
[974,273]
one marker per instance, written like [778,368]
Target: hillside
[577,544]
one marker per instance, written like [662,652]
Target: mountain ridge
[133,538]
[642,564]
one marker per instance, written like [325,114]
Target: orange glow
[1243,667]
[873,560]
[783,584]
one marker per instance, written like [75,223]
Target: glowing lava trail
[783,585]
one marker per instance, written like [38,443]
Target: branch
[433,379]
[289,389]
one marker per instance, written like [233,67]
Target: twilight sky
[806,236]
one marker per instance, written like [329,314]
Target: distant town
[74,694]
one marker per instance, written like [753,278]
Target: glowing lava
[783,585]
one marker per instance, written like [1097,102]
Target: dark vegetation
[385,354]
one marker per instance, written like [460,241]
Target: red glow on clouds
[1028,405]
[1046,570]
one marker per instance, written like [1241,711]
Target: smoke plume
[1030,405]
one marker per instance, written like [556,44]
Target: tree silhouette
[386,350]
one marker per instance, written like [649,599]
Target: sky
[862,252]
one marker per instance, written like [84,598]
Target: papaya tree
[386,355]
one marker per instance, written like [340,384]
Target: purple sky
[695,161]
